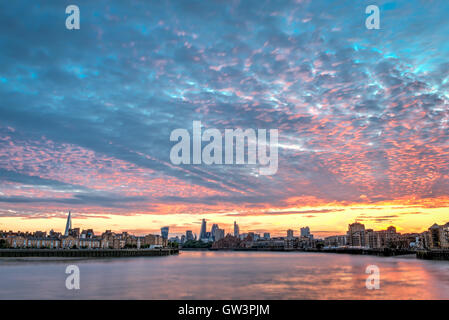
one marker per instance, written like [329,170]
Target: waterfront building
[108,239]
[266,236]
[87,234]
[130,241]
[371,239]
[155,240]
[305,243]
[439,236]
[305,232]
[270,244]
[290,243]
[68,242]
[290,234]
[164,232]
[54,234]
[356,235]
[335,241]
[228,242]
[84,240]
[16,242]
[89,243]
[118,243]
[75,232]
[425,240]
[409,241]
[388,238]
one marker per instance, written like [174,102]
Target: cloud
[85,116]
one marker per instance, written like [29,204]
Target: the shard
[68,225]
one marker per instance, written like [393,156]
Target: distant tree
[3,244]
[173,244]
[195,244]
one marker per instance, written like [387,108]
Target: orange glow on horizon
[407,215]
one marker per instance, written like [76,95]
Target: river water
[226,275]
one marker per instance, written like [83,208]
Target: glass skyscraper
[203,229]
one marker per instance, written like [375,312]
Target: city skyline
[86,115]
[357,237]
[203,234]
[226,224]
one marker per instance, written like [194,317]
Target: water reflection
[227,275]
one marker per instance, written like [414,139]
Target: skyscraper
[189,235]
[68,225]
[164,232]
[218,234]
[212,230]
[236,230]
[289,234]
[305,232]
[203,229]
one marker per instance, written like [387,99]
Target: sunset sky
[86,115]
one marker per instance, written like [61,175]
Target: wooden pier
[88,253]
[433,254]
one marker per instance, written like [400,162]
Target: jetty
[433,254]
[87,253]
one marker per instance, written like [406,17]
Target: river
[226,275]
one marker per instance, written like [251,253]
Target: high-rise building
[305,232]
[203,229]
[164,232]
[68,225]
[189,235]
[289,234]
[266,236]
[218,234]
[236,229]
[387,238]
[356,235]
[212,230]
[372,239]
